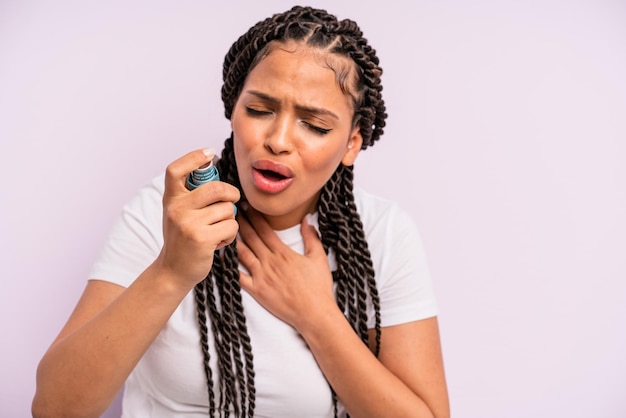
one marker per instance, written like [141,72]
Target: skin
[104,337]
[287,98]
[292,112]
[407,380]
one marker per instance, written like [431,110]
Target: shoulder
[135,239]
[367,200]
[146,206]
[399,260]
[151,192]
[381,215]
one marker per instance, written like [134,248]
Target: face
[292,128]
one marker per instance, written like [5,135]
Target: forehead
[304,66]
[324,55]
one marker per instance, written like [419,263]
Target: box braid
[340,225]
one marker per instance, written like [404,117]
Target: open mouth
[272,175]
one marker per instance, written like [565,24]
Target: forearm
[363,384]
[82,372]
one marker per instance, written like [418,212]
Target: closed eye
[255,112]
[317,129]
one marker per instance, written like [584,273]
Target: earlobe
[353,148]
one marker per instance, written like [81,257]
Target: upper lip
[268,165]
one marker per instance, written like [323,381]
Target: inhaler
[202,175]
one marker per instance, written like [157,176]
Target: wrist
[168,279]
[326,316]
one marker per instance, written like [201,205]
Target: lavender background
[506,141]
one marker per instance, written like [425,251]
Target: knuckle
[172,171]
[172,211]
[226,190]
[234,227]
[220,188]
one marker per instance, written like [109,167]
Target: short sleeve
[135,239]
[402,275]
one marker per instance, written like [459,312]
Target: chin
[269,209]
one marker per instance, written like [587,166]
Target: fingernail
[209,152]
[235,206]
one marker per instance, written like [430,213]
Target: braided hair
[218,297]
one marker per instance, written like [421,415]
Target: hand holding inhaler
[196,220]
[203,175]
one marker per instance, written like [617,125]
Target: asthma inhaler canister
[202,175]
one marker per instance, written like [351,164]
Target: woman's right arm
[101,343]
[112,327]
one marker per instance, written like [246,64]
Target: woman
[313,301]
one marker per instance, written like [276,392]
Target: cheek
[246,135]
[240,150]
[323,160]
[241,140]
[242,153]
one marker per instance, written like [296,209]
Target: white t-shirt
[169,380]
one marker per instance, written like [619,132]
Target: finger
[247,258]
[177,172]
[263,230]
[246,282]
[224,232]
[312,242]
[214,213]
[250,238]
[213,192]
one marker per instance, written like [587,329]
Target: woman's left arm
[412,352]
[405,380]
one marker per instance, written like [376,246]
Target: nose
[279,139]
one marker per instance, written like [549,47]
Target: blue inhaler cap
[204,174]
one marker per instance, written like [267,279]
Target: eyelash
[255,112]
[314,128]
[317,129]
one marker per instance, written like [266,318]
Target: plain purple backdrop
[506,141]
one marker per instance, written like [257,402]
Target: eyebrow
[308,109]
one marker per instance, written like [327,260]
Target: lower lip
[267,185]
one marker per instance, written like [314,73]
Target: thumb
[177,172]
[310,235]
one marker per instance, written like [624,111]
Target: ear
[353,148]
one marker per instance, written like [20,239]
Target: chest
[288,381]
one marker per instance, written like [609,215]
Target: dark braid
[319,29]
[355,271]
[201,303]
[340,225]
